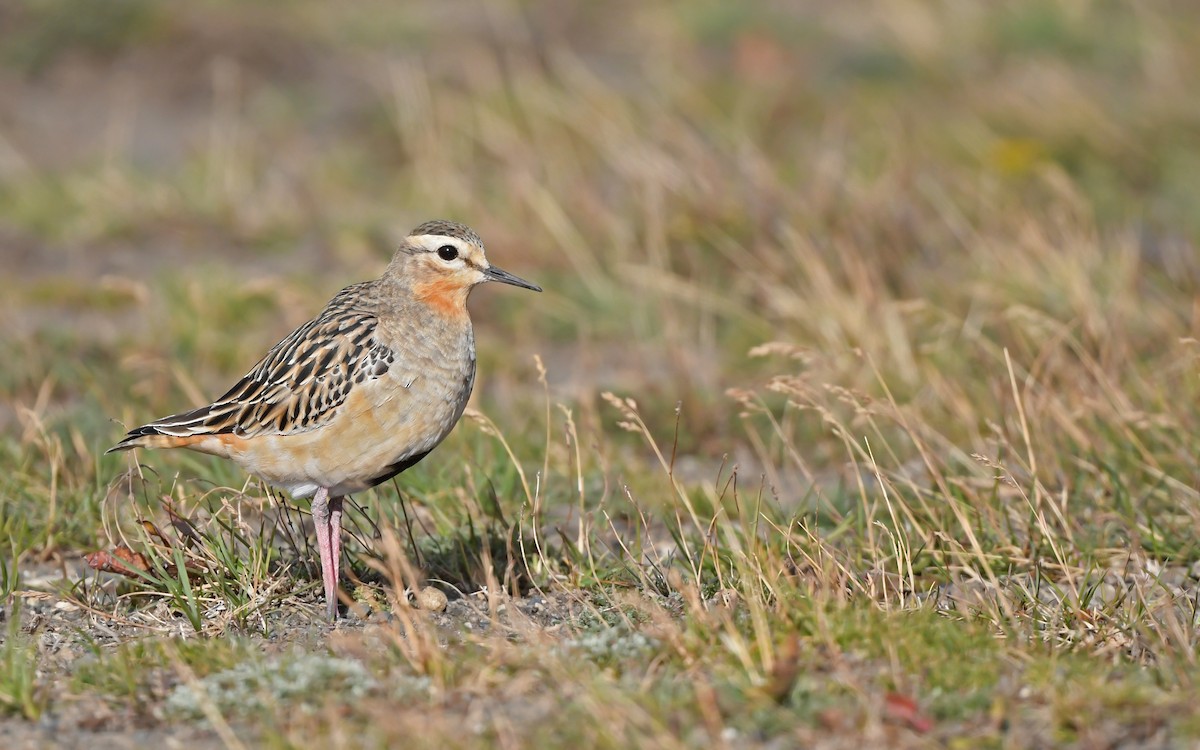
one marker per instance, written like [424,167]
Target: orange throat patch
[444,296]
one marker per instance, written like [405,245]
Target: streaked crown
[445,228]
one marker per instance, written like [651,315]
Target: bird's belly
[377,428]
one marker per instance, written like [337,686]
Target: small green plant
[293,680]
[20,691]
[10,577]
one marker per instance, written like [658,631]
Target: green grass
[20,693]
[861,402]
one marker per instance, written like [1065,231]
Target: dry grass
[861,406]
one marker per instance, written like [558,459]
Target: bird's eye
[447,252]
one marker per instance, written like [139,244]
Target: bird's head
[441,261]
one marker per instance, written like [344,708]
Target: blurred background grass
[906,193]
[927,268]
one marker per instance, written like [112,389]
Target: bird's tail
[150,437]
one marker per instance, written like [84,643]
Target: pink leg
[335,548]
[321,520]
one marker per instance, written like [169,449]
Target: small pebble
[432,599]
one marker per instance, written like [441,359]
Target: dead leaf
[127,562]
[153,531]
[121,560]
[904,710]
[182,525]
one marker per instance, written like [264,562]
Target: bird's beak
[497,274]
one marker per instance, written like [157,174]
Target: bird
[357,395]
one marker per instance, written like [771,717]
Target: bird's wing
[299,385]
